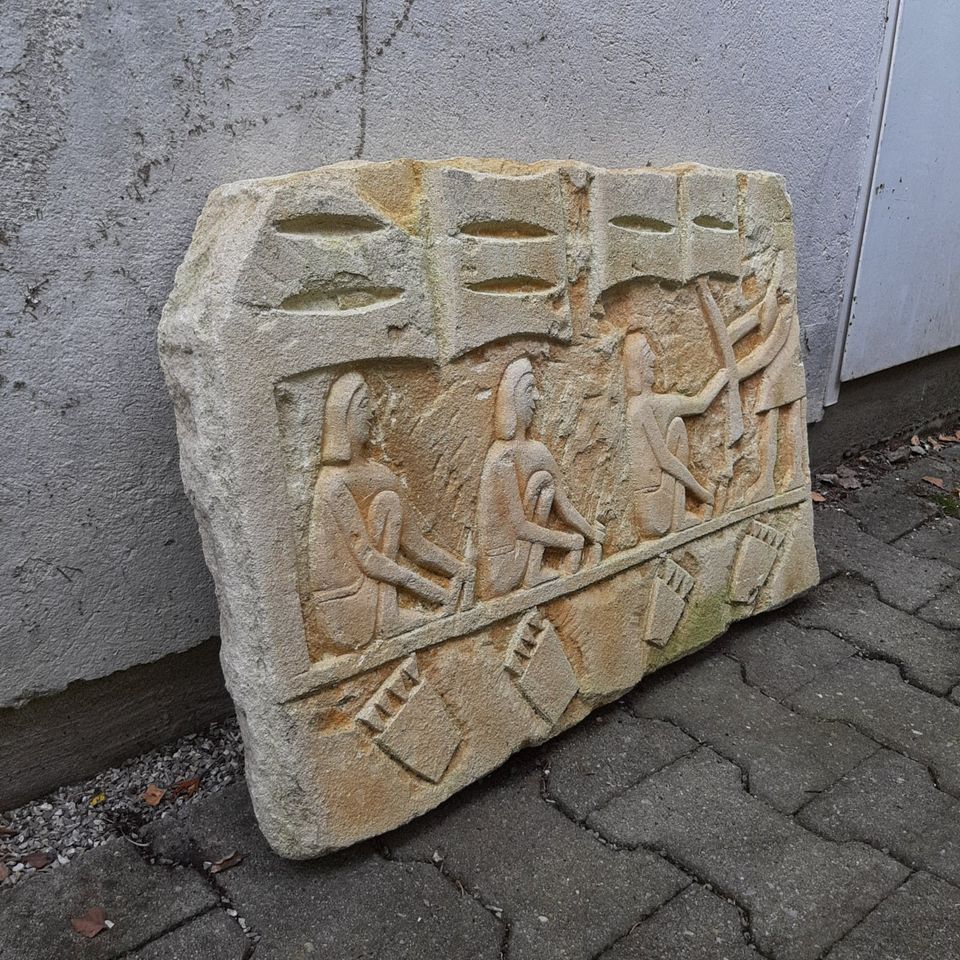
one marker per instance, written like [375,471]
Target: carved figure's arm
[666,459]
[691,406]
[423,551]
[372,562]
[565,509]
[740,327]
[504,476]
[761,355]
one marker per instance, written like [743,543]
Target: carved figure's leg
[764,486]
[537,504]
[384,522]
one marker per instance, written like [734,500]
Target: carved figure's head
[639,363]
[517,398]
[347,418]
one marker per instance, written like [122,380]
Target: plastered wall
[117,119]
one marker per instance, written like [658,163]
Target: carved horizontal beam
[331,671]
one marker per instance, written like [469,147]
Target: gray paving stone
[920,921]
[604,755]
[214,936]
[929,656]
[777,656]
[350,905]
[801,892]
[938,539]
[890,802]
[787,758]
[565,894]
[901,580]
[871,696]
[890,507]
[695,925]
[944,610]
[142,901]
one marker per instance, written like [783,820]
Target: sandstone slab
[473,447]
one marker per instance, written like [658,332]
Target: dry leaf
[935,481]
[218,866]
[947,438]
[91,923]
[38,859]
[153,795]
[914,441]
[186,787]
[4,872]
[98,799]
[818,497]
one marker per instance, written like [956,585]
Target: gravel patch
[49,832]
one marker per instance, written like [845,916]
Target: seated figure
[359,529]
[658,445]
[520,494]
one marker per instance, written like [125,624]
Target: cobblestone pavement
[793,793]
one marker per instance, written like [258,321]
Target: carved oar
[721,341]
[463,585]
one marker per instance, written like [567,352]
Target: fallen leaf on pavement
[91,923]
[948,438]
[186,787]
[96,800]
[38,859]
[153,795]
[4,872]
[914,441]
[818,497]
[218,866]
[934,481]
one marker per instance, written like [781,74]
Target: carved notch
[536,660]
[755,558]
[668,597]
[410,722]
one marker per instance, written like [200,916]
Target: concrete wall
[117,118]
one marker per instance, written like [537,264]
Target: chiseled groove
[638,224]
[340,300]
[516,285]
[323,225]
[514,230]
[714,223]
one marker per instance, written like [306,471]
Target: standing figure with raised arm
[360,528]
[520,493]
[782,384]
[658,444]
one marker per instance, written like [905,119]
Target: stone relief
[473,446]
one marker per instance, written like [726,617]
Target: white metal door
[906,301]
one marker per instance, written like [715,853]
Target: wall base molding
[93,724]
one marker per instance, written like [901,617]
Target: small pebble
[67,822]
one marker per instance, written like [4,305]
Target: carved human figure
[778,406]
[520,493]
[658,444]
[359,529]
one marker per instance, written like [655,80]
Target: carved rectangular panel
[474,446]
